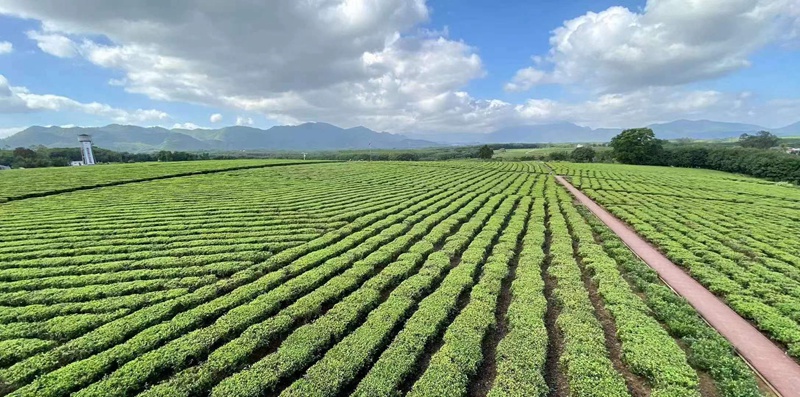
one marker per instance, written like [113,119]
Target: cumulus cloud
[244,121]
[186,126]
[671,42]
[414,81]
[20,100]
[358,62]
[10,102]
[526,78]
[54,44]
[342,61]
[245,46]
[7,132]
[215,118]
[633,108]
[6,47]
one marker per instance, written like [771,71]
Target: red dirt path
[779,370]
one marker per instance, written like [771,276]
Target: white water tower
[86,149]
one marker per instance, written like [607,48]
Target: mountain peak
[324,136]
[303,137]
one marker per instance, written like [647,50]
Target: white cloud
[186,126]
[10,102]
[358,62]
[662,104]
[671,42]
[244,121]
[215,118]
[415,81]
[6,47]
[526,78]
[54,44]
[7,132]
[20,100]
[348,62]
[634,108]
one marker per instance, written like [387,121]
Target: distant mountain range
[789,130]
[569,132]
[308,136]
[322,136]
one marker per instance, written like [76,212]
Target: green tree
[407,156]
[560,155]
[485,152]
[761,140]
[583,154]
[24,153]
[637,146]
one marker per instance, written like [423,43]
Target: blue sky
[509,34]
[398,65]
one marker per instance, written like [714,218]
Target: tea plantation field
[25,183]
[738,236]
[383,279]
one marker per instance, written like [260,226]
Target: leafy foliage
[485,152]
[761,140]
[559,155]
[60,157]
[583,154]
[637,146]
[767,164]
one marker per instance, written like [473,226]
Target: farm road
[780,371]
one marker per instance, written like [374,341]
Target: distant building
[86,149]
[76,163]
[4,167]
[793,150]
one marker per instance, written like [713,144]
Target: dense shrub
[558,156]
[767,164]
[639,146]
[583,154]
[762,140]
[61,157]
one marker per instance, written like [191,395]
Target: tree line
[752,157]
[59,157]
[42,156]
[633,146]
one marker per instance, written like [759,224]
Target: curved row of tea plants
[364,278]
[723,229]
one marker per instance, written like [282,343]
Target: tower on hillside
[86,149]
